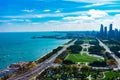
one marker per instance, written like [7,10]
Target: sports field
[82,58]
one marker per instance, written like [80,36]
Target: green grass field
[109,75]
[82,58]
[88,40]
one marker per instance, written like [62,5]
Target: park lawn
[88,40]
[82,58]
[110,75]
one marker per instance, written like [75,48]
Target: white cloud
[46,10]
[78,18]
[92,12]
[88,1]
[27,10]
[88,15]
[67,25]
[17,20]
[117,10]
[82,20]
[35,23]
[27,20]
[94,4]
[97,13]
[82,24]
[53,21]
[4,21]
[57,11]
[93,1]
[33,16]
[91,20]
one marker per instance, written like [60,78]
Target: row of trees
[93,42]
[49,54]
[96,48]
[69,41]
[98,64]
[116,50]
[114,46]
[111,41]
[61,58]
[109,61]
[74,49]
[68,72]
[79,42]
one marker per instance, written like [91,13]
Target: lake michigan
[19,46]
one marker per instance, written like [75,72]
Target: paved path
[111,53]
[89,77]
[41,66]
[87,46]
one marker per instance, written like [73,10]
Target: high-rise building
[101,30]
[105,33]
[116,34]
[111,32]
[110,29]
[119,35]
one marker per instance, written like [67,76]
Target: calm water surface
[15,47]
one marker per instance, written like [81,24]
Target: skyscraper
[101,28]
[105,32]
[101,31]
[116,34]
[119,34]
[108,34]
[111,33]
[111,27]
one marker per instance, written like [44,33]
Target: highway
[111,53]
[41,66]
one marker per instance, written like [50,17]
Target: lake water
[16,47]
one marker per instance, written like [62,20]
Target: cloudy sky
[58,15]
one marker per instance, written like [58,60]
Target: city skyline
[110,33]
[58,15]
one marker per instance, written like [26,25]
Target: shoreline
[8,69]
[47,53]
[51,51]
[48,61]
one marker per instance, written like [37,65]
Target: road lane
[111,53]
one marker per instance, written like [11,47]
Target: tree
[111,63]
[68,62]
[58,60]
[75,49]
[98,64]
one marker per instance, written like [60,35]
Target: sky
[58,15]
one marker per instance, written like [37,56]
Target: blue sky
[58,15]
